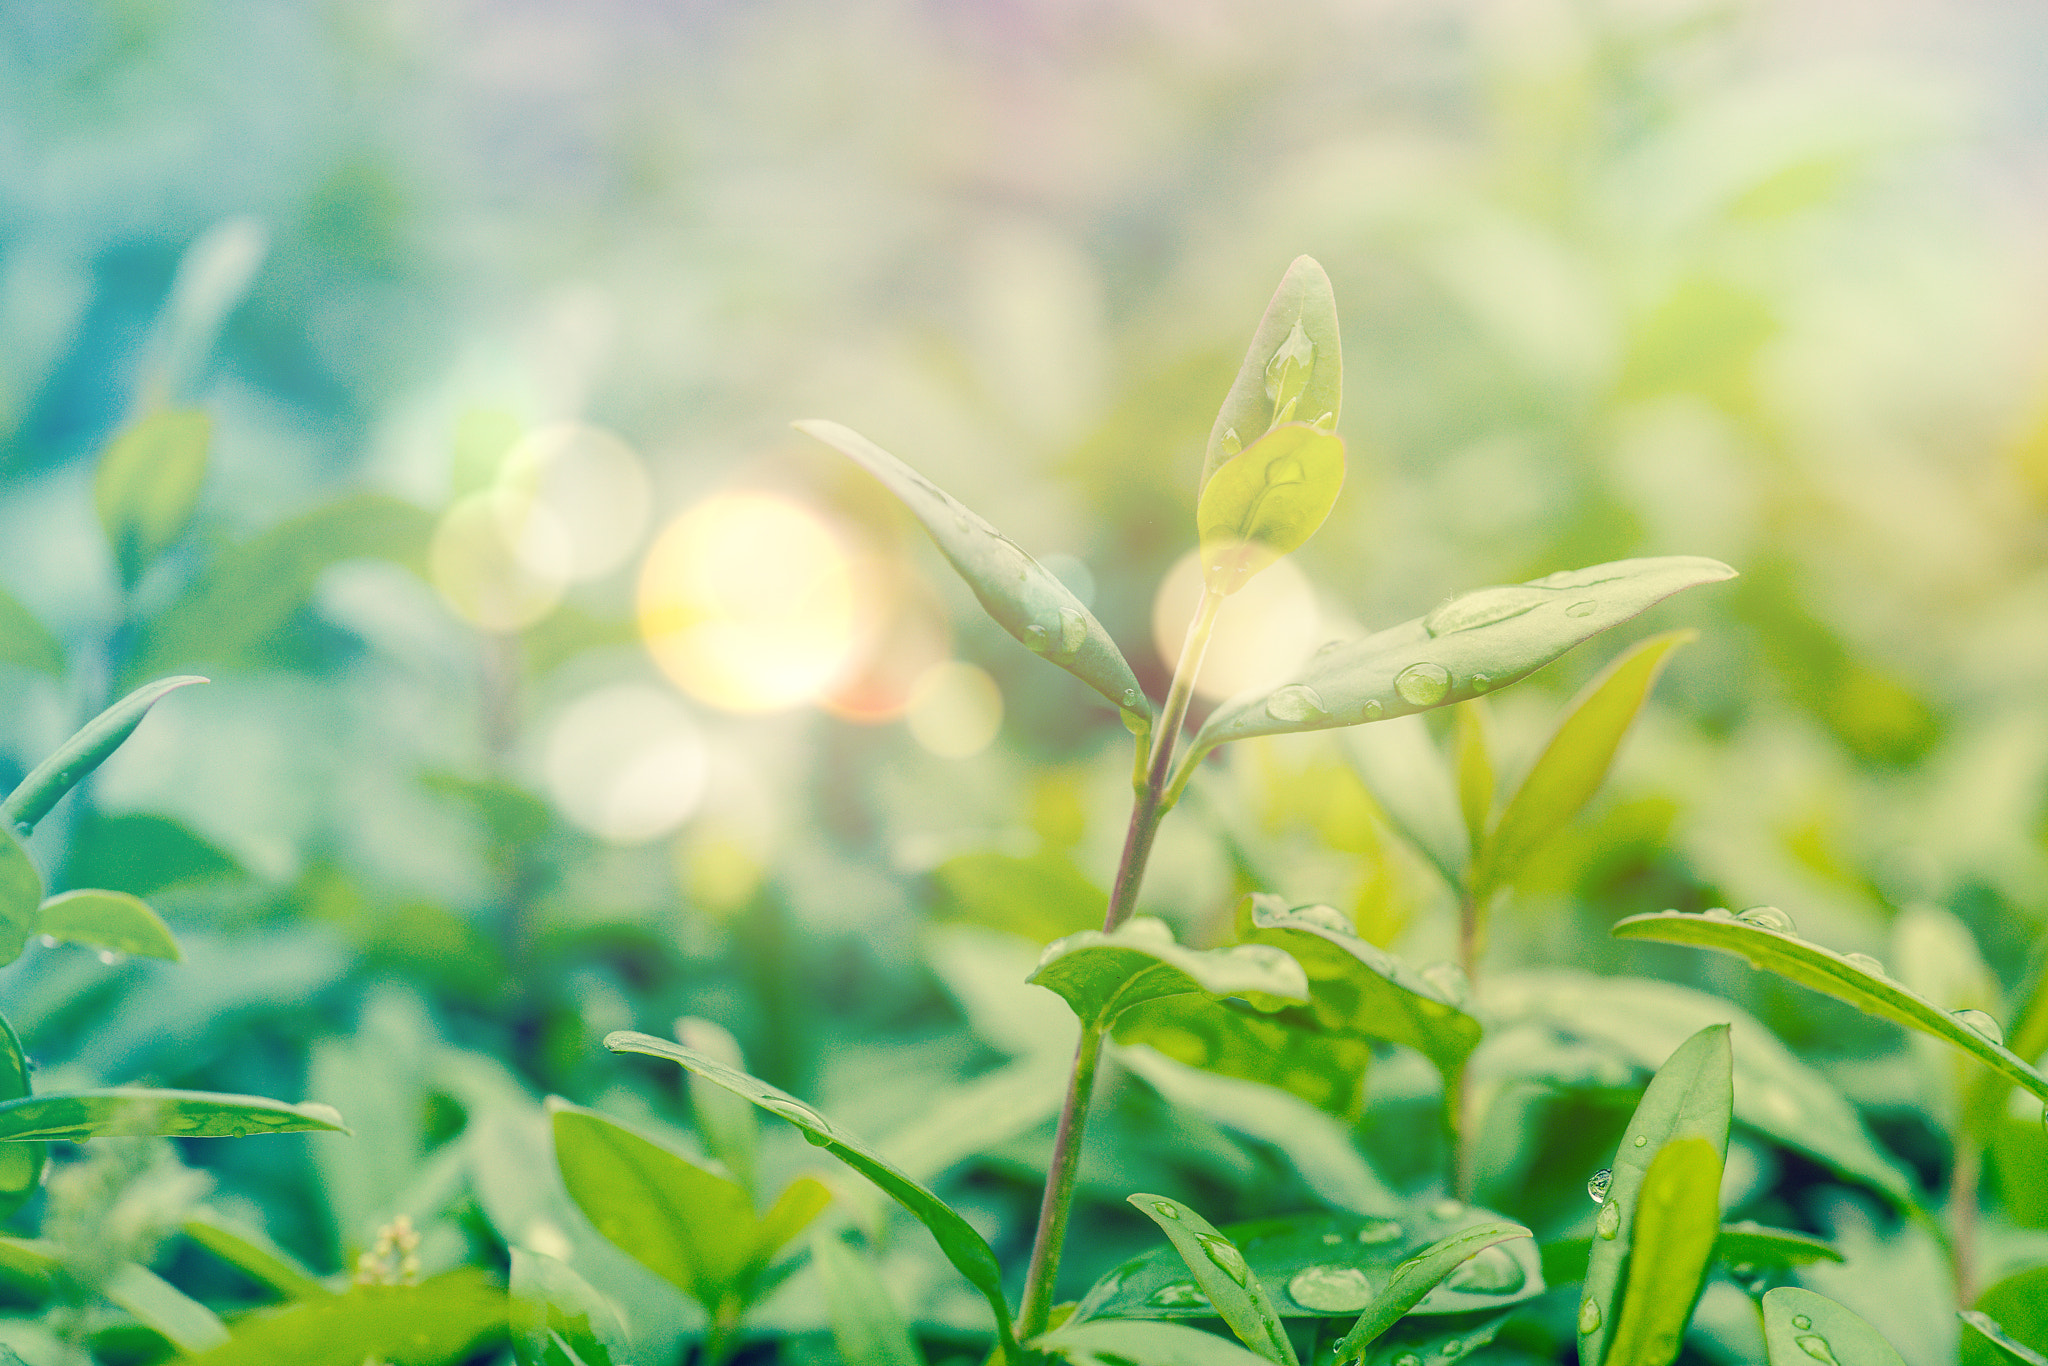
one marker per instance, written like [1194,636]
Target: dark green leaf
[440,1321]
[866,1325]
[135,1111]
[967,1250]
[1677,1219]
[1474,765]
[21,1164]
[1325,1069]
[1745,1243]
[557,1319]
[21,896]
[1294,369]
[1265,501]
[2018,1306]
[1102,974]
[1824,970]
[1025,598]
[1575,762]
[1801,1328]
[1143,1344]
[251,1252]
[1692,1096]
[1419,1275]
[48,781]
[1236,1294]
[1471,645]
[107,920]
[147,485]
[1435,1339]
[1994,1332]
[26,641]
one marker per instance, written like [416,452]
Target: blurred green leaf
[107,920]
[557,1319]
[251,1252]
[1041,897]
[1801,1328]
[1234,1291]
[866,1325]
[1994,1332]
[26,641]
[2018,1305]
[21,1164]
[1266,501]
[1326,1070]
[48,781]
[164,1307]
[1746,1243]
[1024,597]
[1143,1344]
[1575,762]
[141,855]
[135,1111]
[1826,971]
[147,485]
[1473,761]
[1677,1219]
[1692,1096]
[1294,369]
[440,1321]
[726,1123]
[1417,1276]
[1101,975]
[21,896]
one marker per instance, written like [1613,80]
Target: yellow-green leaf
[1266,500]
[1801,1328]
[1474,762]
[107,920]
[1678,1217]
[49,780]
[1102,974]
[1293,371]
[26,641]
[147,485]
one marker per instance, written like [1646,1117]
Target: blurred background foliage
[559,688]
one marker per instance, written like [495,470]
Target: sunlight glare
[955,710]
[500,560]
[626,763]
[1267,628]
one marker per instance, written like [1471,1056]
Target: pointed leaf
[1747,1243]
[107,920]
[1471,645]
[1102,974]
[1224,1276]
[1692,1096]
[1266,500]
[727,1124]
[147,485]
[801,1201]
[1678,1216]
[1826,971]
[1420,1274]
[966,1249]
[1474,765]
[26,641]
[1993,1331]
[160,1305]
[1142,1344]
[48,781]
[1575,762]
[21,895]
[558,1319]
[1024,597]
[446,1318]
[1293,371]
[1801,1328]
[21,1164]
[137,1112]
[867,1327]
[251,1252]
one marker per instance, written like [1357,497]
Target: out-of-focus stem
[1963,1176]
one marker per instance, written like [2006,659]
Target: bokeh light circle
[1263,632]
[500,559]
[625,762]
[593,484]
[955,710]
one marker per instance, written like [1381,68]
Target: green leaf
[557,1319]
[445,1319]
[1293,370]
[1575,762]
[21,1164]
[866,1325]
[1994,1331]
[1238,1295]
[147,485]
[1475,644]
[1473,760]
[26,641]
[107,920]
[136,1112]
[162,1306]
[1826,971]
[1678,1217]
[21,895]
[727,1124]
[252,590]
[48,781]
[1801,1328]
[1142,1344]
[967,1250]
[1024,597]
[1692,1096]
[1327,1070]
[1103,974]
[1420,1274]
[1442,1339]
[1746,1243]
[251,1252]
[2017,1308]
[1265,501]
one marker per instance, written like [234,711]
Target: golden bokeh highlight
[955,710]
[1265,630]
[500,559]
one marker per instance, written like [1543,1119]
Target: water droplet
[1481,683]
[1407,1359]
[1983,1024]
[1165,1210]
[1642,1140]
[1073,630]
[1589,1316]
[1801,1322]
[1423,685]
[1285,471]
[1482,608]
[1449,980]
[1131,697]
[1452,1349]
[1226,1257]
[1718,913]
[1490,1271]
[237,1131]
[1373,709]
[1179,1295]
[1608,1223]
[1380,1231]
[1579,609]
[1446,1209]
[797,1113]
[1231,443]
[1333,1289]
[1866,962]
[1037,638]
[24,829]
[48,941]
[1599,1183]
[1296,702]
[1333,1239]
[1284,371]
[1817,1348]
[1767,918]
[112,958]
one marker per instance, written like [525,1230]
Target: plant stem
[1059,1188]
[1963,1175]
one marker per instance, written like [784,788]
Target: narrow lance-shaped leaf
[48,781]
[1575,762]
[449,1317]
[1417,1276]
[2017,1306]
[966,1249]
[147,485]
[137,1112]
[2028,1038]
[251,1252]
[1677,1220]
[1102,974]
[1470,646]
[26,641]
[1801,1328]
[107,920]
[1238,1296]
[1022,595]
[1764,935]
[1692,1095]
[1265,501]
[1293,371]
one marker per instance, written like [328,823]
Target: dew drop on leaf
[1597,1185]
[1579,609]
[1165,1210]
[1767,918]
[1380,1231]
[1817,1348]
[1073,630]
[1333,1289]
[1286,470]
[1332,1239]
[1226,1257]
[1482,608]
[48,941]
[1373,709]
[1481,683]
[1491,1271]
[1718,913]
[1296,702]
[1130,697]
[1449,980]
[1589,1316]
[1407,1359]
[1423,685]
[1866,962]
[1642,1140]
[1037,638]
[1983,1024]
[1179,1295]
[1608,1223]
[111,958]
[1801,1322]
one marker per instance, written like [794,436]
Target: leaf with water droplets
[1266,500]
[1022,595]
[1407,668]
[1435,1341]
[1677,1218]
[107,920]
[1992,1331]
[1325,1069]
[1691,1096]
[1418,1275]
[1237,1295]
[966,1249]
[1141,1343]
[1294,369]
[138,1112]
[1826,971]
[48,781]
[1101,974]
[1805,1329]
[1574,764]
[2016,1311]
